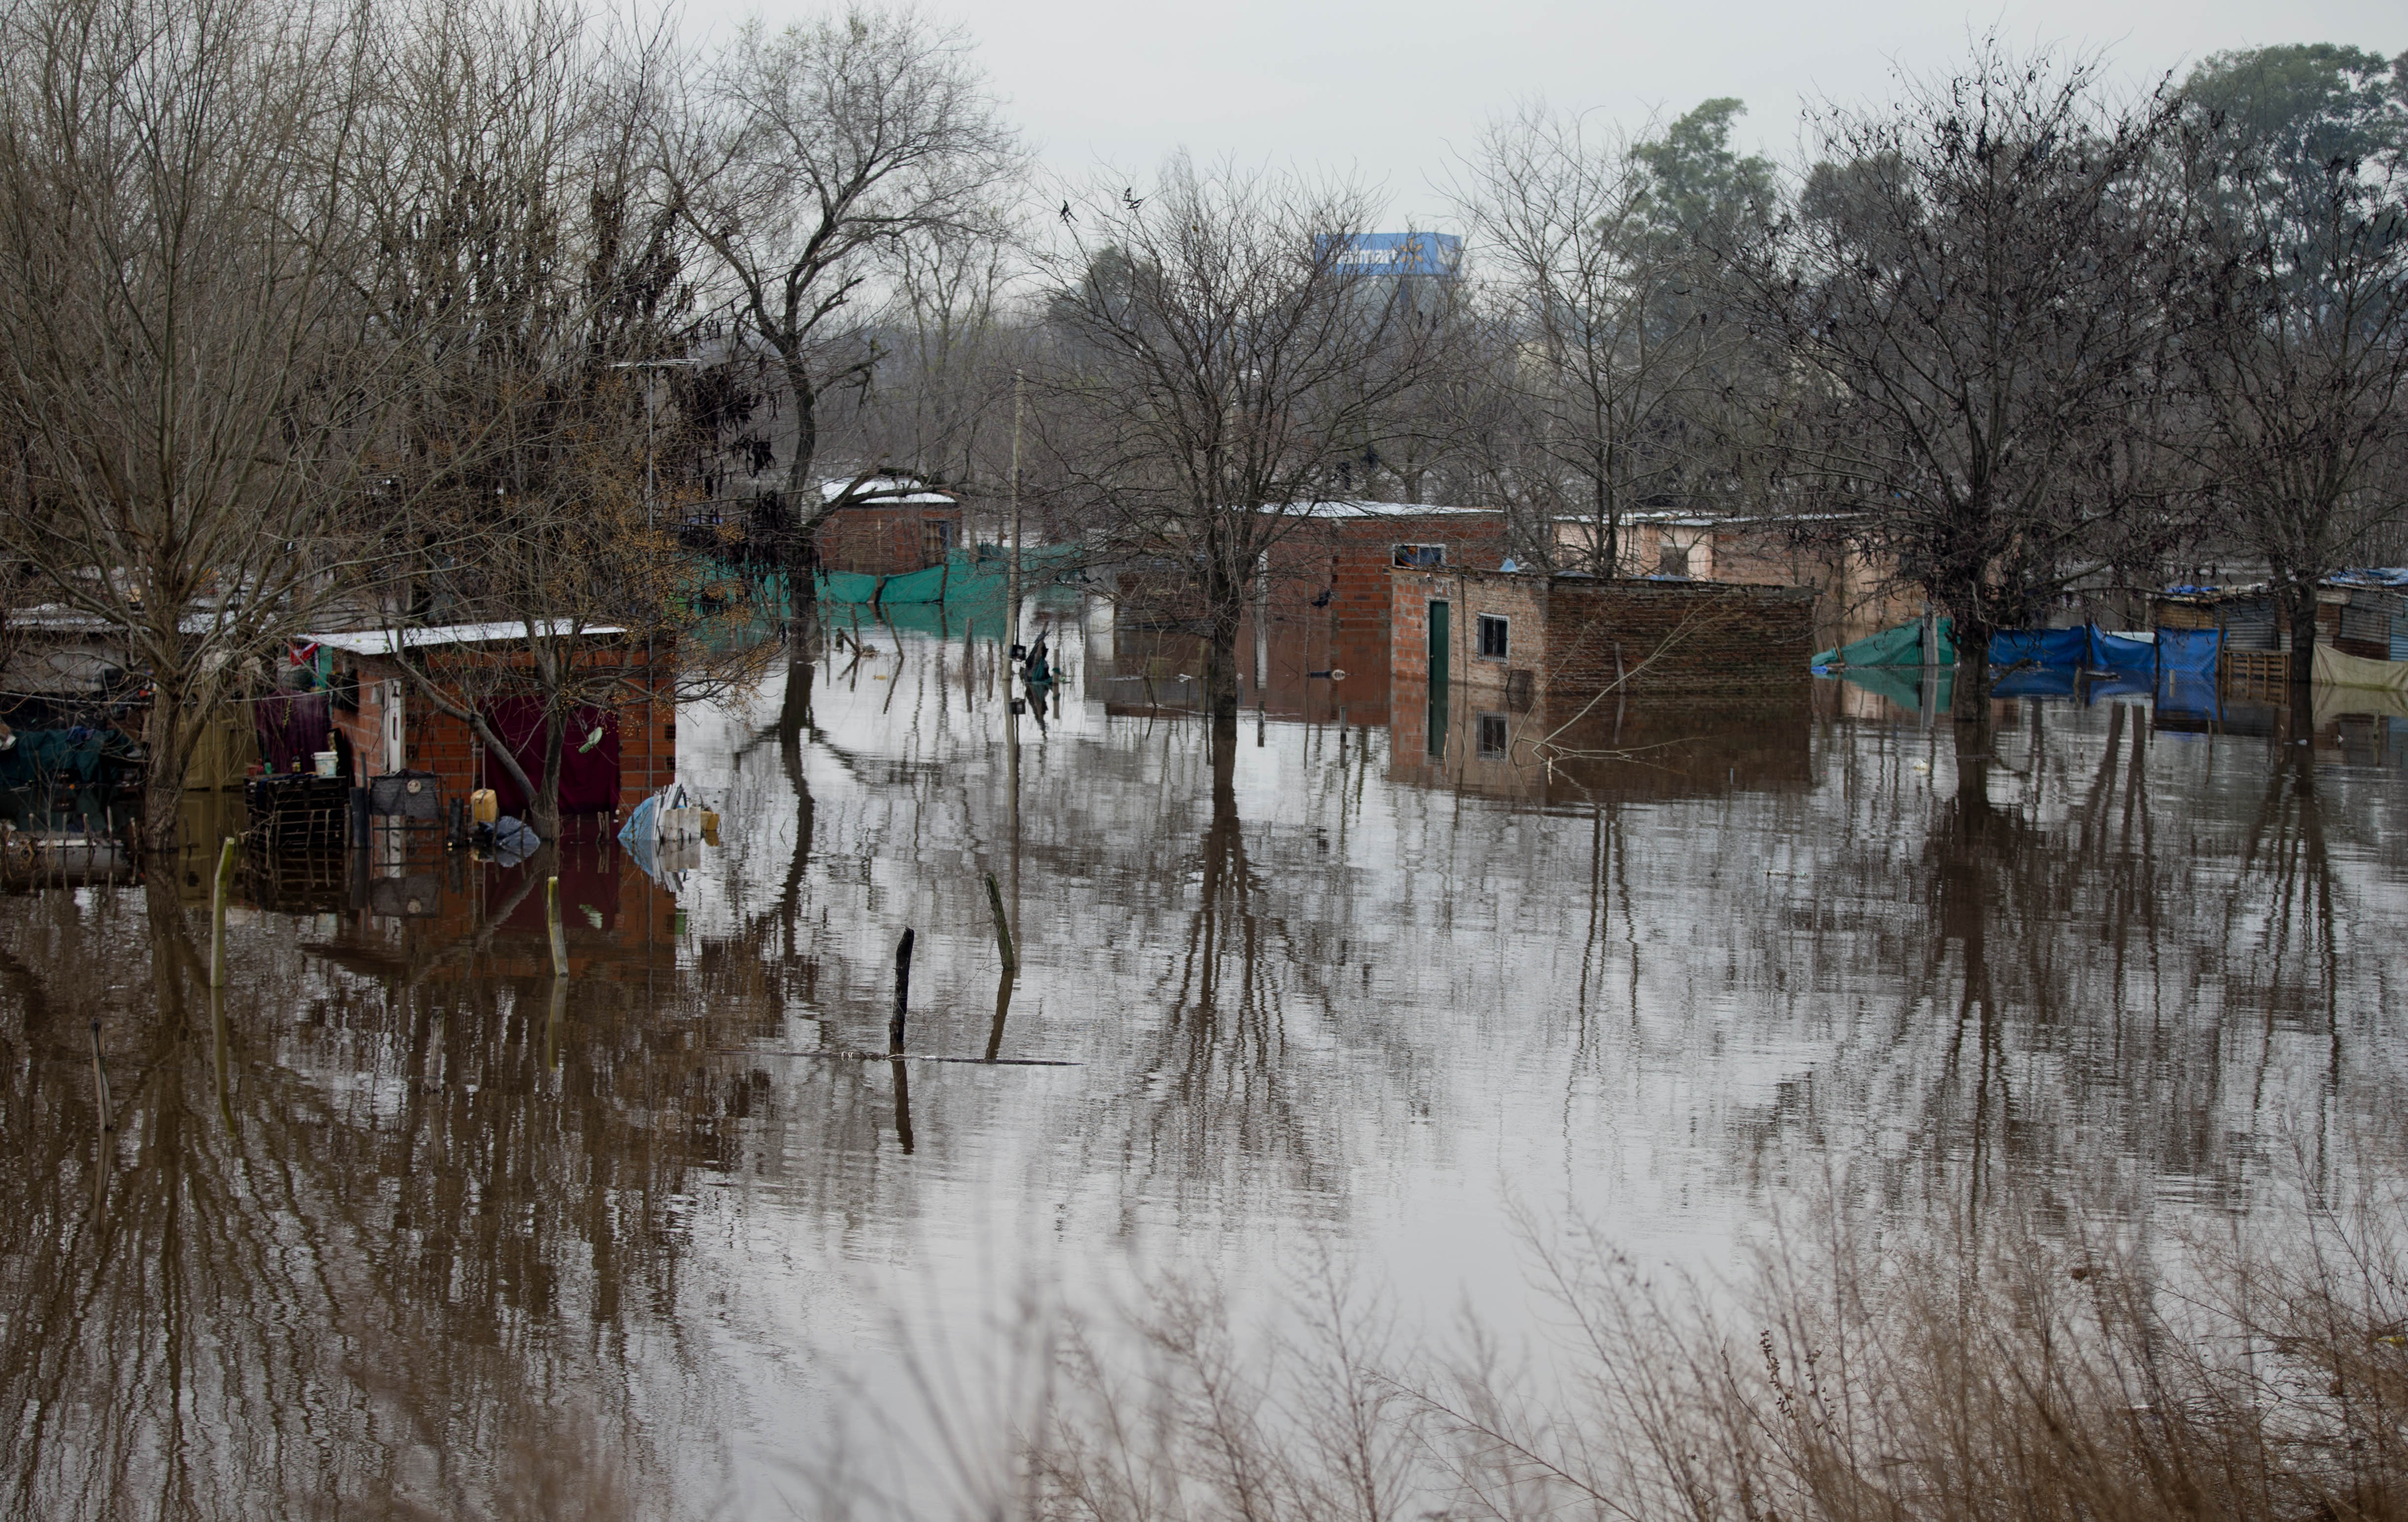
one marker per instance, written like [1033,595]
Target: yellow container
[710,828]
[483,807]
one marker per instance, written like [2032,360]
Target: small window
[1673,560]
[1493,637]
[1421,557]
[1492,736]
[935,539]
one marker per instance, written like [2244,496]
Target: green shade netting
[965,578]
[847,587]
[1899,647]
[926,586]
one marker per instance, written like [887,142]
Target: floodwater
[400,1224]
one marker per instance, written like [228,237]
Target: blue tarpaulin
[2122,654]
[2181,694]
[2189,653]
[2051,647]
[2086,648]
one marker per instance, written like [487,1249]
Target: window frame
[1481,750]
[1480,651]
[1396,556]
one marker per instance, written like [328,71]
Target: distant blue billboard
[1397,253]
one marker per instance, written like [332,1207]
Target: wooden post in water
[1002,926]
[1002,1008]
[559,937]
[217,913]
[902,1103]
[100,1083]
[902,991]
[217,1054]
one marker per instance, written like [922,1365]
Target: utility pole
[1011,638]
[1011,620]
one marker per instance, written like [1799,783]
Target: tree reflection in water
[414,1225]
[414,1295]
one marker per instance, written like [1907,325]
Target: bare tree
[938,397]
[1619,346]
[807,161]
[1977,281]
[2298,353]
[184,373]
[1214,361]
[539,285]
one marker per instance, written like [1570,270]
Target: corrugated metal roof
[387,641]
[885,492]
[1383,509]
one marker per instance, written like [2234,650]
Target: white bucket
[325,759]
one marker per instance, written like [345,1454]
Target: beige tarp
[2351,684]
[2356,671]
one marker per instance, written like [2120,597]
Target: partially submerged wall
[1574,635]
[431,740]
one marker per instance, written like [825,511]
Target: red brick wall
[1350,557]
[437,742]
[1662,637]
[884,540]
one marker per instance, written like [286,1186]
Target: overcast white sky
[1389,89]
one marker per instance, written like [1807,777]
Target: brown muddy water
[402,1225]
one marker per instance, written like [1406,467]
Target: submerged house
[379,723]
[1855,579]
[1509,643]
[2360,613]
[1321,606]
[1326,604]
[899,528]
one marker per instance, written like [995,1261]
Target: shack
[1837,554]
[1514,640]
[2360,613]
[1324,605]
[1319,606]
[900,529]
[382,724]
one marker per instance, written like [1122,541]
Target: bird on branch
[1066,212]
[1130,199]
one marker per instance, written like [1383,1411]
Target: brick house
[1525,637]
[1487,664]
[1326,603]
[890,534]
[386,726]
[1322,604]
[1856,585]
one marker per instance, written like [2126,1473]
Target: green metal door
[1440,643]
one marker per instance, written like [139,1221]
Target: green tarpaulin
[1899,647]
[965,578]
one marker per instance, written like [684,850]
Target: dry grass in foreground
[2011,1377]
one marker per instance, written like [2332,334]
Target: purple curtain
[589,779]
[291,728]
